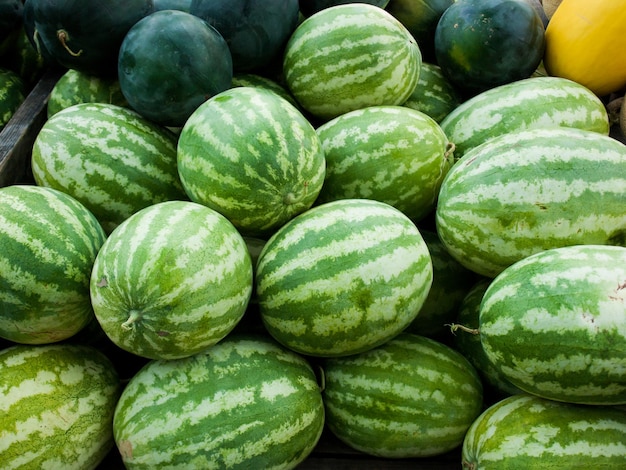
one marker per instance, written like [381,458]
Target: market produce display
[312,234]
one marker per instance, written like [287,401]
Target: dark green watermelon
[170,62]
[310,7]
[10,22]
[481,44]
[182,5]
[86,34]
[256,31]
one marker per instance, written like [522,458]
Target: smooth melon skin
[171,62]
[410,397]
[247,402]
[480,44]
[554,324]
[48,244]
[342,278]
[171,281]
[58,403]
[527,432]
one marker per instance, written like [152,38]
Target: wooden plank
[18,135]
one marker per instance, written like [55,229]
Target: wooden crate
[18,135]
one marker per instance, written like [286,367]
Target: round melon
[110,158]
[256,31]
[172,280]
[244,403]
[348,57]
[524,431]
[12,94]
[343,277]
[410,397]
[481,44]
[392,154]
[58,403]
[75,87]
[169,63]
[48,244]
[554,324]
[252,156]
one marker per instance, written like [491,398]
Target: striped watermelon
[554,324]
[348,57]
[343,277]
[48,244]
[434,94]
[255,80]
[411,397]
[74,87]
[466,340]
[536,102]
[252,156]
[531,190]
[12,94]
[172,280]
[109,158]
[451,282]
[57,406]
[392,154]
[531,433]
[244,403]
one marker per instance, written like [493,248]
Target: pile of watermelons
[250,222]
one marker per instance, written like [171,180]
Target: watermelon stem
[133,317]
[455,326]
[63,37]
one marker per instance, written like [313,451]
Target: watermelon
[527,191]
[342,277]
[420,17]
[48,244]
[12,95]
[537,102]
[309,7]
[171,280]
[83,35]
[466,340]
[252,156]
[169,63]
[451,283]
[57,406]
[554,324]
[244,403]
[524,431]
[108,157]
[348,57]
[434,94]
[75,87]
[261,81]
[255,31]
[392,154]
[481,44]
[410,397]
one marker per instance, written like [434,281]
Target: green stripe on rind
[48,243]
[391,154]
[244,403]
[76,87]
[348,57]
[523,431]
[411,397]
[554,324]
[57,406]
[537,102]
[172,280]
[252,156]
[260,81]
[109,158]
[468,343]
[434,94]
[527,191]
[342,277]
